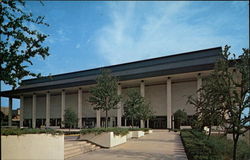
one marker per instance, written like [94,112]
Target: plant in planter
[145,111]
[179,117]
[136,108]
[105,137]
[70,118]
[104,94]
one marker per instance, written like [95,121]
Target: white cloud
[164,28]
[78,46]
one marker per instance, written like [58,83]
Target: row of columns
[98,112]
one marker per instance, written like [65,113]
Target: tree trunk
[132,122]
[235,147]
[106,119]
[209,133]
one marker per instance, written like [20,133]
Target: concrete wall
[41,107]
[32,146]
[156,95]
[180,93]
[55,106]
[106,139]
[88,109]
[27,112]
[71,101]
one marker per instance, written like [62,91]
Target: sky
[85,35]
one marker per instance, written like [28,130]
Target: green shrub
[139,129]
[199,147]
[117,131]
[243,151]
[71,132]
[20,131]
[179,117]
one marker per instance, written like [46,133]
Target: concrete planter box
[185,127]
[33,146]
[149,131]
[129,135]
[137,134]
[107,139]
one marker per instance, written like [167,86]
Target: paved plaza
[160,145]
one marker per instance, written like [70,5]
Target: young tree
[70,118]
[136,108]
[234,76]
[104,94]
[179,117]
[208,108]
[19,42]
[225,94]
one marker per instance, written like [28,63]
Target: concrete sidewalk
[160,145]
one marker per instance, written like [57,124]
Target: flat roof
[199,60]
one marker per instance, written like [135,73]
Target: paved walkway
[160,145]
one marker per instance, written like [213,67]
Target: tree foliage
[136,108]
[19,42]
[225,94]
[179,117]
[104,95]
[208,107]
[70,118]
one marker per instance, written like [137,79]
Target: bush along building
[165,82]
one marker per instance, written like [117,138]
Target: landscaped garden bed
[105,137]
[199,147]
[110,137]
[32,143]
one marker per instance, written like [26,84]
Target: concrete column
[169,103]
[21,111]
[199,84]
[10,112]
[119,105]
[111,122]
[62,107]
[47,109]
[125,121]
[79,109]
[147,123]
[98,118]
[142,90]
[34,111]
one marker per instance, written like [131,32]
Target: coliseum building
[165,82]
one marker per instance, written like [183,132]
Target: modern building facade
[165,82]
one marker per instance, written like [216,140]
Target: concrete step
[74,148]
[72,153]
[69,144]
[71,148]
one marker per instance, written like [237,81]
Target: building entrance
[159,122]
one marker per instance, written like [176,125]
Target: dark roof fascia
[114,68]
[121,78]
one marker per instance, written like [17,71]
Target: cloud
[159,29]
[78,46]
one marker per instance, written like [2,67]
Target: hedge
[21,131]
[139,129]
[117,131]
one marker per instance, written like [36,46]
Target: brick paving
[160,145]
